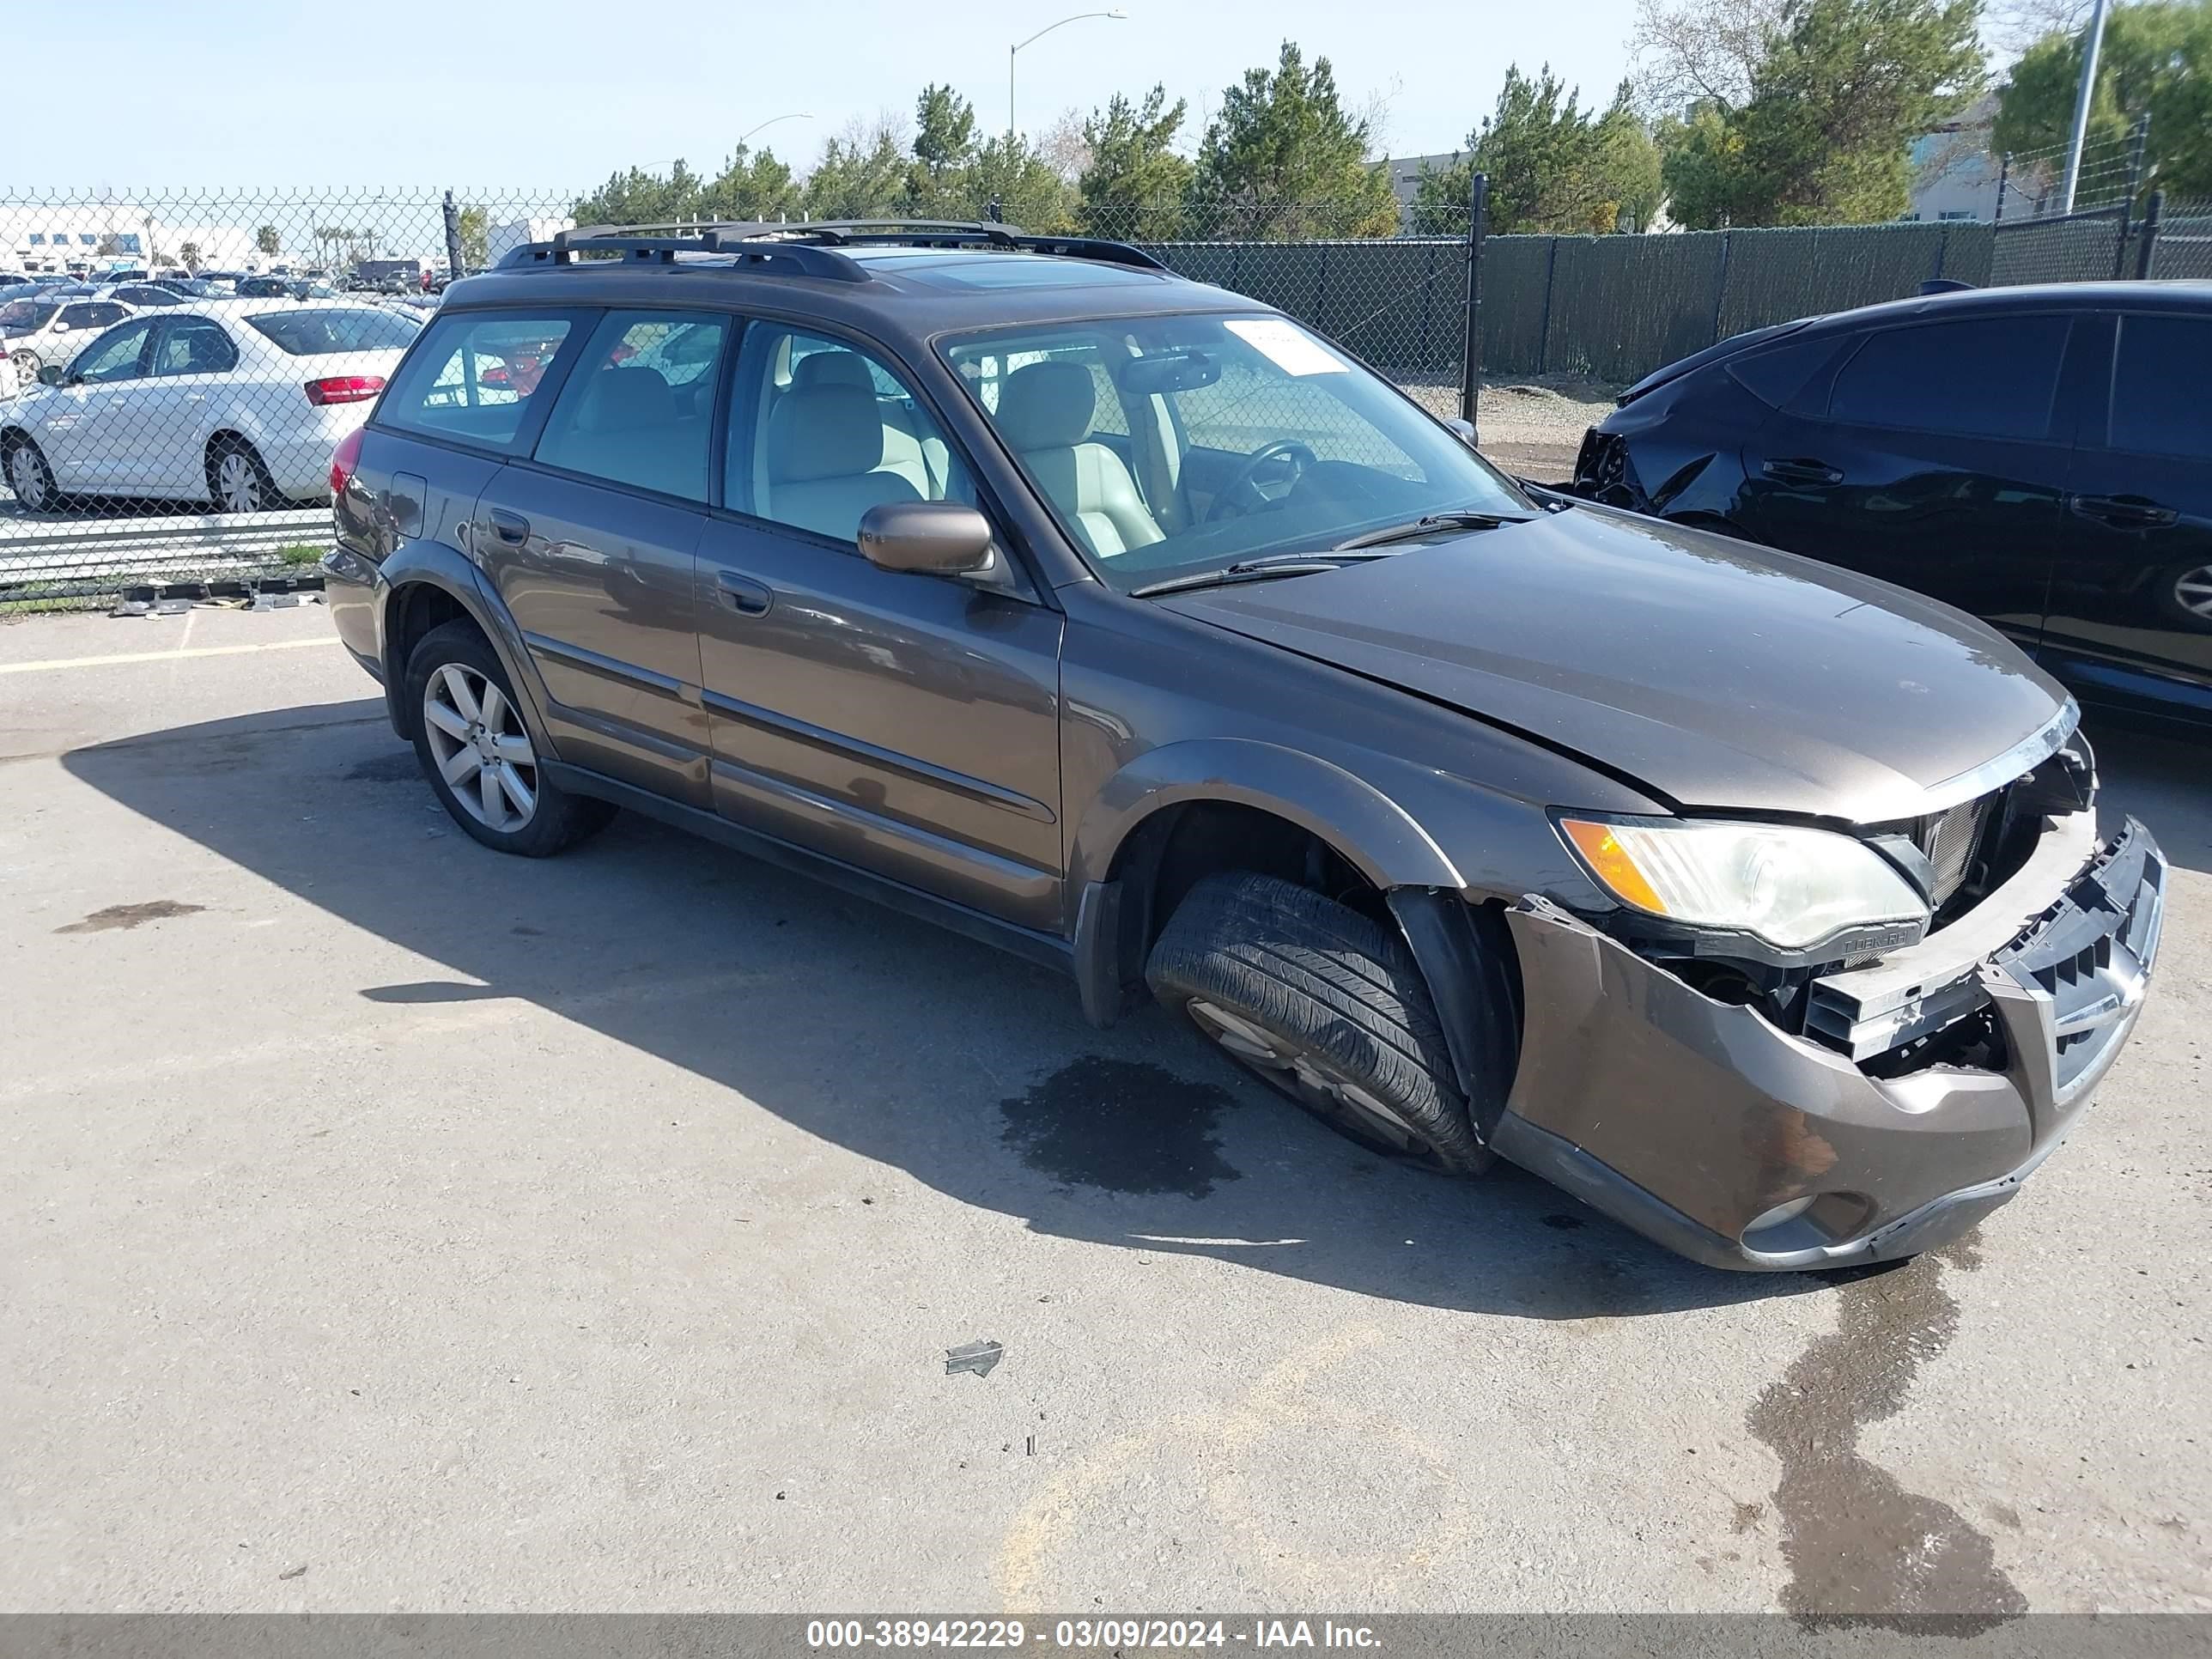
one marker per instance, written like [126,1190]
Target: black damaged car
[2040,456]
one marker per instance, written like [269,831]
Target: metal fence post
[2004,178]
[453,238]
[2128,197]
[1720,285]
[2147,249]
[1470,355]
[1544,322]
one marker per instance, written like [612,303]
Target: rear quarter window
[1778,373]
[474,376]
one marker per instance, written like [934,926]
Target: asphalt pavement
[385,1224]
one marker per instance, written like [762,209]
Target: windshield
[1173,446]
[26,316]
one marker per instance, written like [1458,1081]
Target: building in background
[1954,172]
[502,240]
[116,235]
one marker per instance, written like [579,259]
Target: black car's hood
[1717,674]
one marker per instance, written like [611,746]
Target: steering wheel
[1243,490]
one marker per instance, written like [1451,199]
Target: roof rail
[809,248]
[650,244]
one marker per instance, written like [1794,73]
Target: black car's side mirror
[53,375]
[1463,430]
[930,538]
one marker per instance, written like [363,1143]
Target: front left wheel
[479,756]
[1325,1005]
[30,477]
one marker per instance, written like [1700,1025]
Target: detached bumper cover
[1688,1119]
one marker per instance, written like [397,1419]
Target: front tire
[478,753]
[1323,1005]
[30,477]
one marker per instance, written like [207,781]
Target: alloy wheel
[26,370]
[29,477]
[2192,591]
[237,484]
[1314,1080]
[480,749]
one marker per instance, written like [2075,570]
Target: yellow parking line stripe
[162,656]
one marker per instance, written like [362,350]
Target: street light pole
[2091,44]
[796,115]
[1117,14]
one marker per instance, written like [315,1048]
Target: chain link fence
[179,366]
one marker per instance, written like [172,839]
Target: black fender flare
[439,565]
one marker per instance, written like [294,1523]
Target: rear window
[473,376]
[320,333]
[24,316]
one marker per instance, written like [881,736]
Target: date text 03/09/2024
[1077,1634]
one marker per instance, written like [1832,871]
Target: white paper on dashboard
[1292,352]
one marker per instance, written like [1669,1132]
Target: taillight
[345,461]
[344,389]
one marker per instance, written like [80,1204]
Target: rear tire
[1326,1006]
[469,736]
[238,482]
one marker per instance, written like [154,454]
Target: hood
[1715,674]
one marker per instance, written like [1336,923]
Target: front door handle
[1796,471]
[511,528]
[747,597]
[2125,511]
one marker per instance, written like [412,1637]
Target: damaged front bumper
[1709,1129]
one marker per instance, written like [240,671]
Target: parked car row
[237,401]
[2038,457]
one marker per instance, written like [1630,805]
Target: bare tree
[2011,26]
[1064,147]
[1690,51]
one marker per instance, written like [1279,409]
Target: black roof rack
[807,249]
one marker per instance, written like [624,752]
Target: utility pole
[2093,43]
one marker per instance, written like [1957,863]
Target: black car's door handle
[747,597]
[511,528]
[2125,511]
[1799,471]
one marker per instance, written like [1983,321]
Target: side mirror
[929,539]
[53,375]
[1463,430]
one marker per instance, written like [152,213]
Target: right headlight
[1791,887]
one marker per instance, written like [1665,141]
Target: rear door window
[194,345]
[640,410]
[2161,403]
[1981,378]
[475,375]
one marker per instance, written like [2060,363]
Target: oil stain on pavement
[1861,1549]
[1122,1126]
[117,916]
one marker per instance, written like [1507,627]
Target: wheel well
[1171,851]
[413,610]
[224,440]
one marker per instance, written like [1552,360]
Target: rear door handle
[747,597]
[511,528]
[1799,472]
[2125,511]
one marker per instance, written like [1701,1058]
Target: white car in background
[237,401]
[36,330]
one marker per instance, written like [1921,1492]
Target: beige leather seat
[920,460]
[1044,413]
[825,454]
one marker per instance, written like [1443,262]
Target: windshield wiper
[1428,524]
[1253,570]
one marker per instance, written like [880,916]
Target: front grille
[1948,839]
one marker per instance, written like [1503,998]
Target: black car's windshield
[1169,446]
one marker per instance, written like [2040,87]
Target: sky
[555,95]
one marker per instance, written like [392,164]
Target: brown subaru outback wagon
[1127,624]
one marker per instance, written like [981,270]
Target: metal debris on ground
[976,1357]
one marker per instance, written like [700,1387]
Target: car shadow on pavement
[973,1073]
